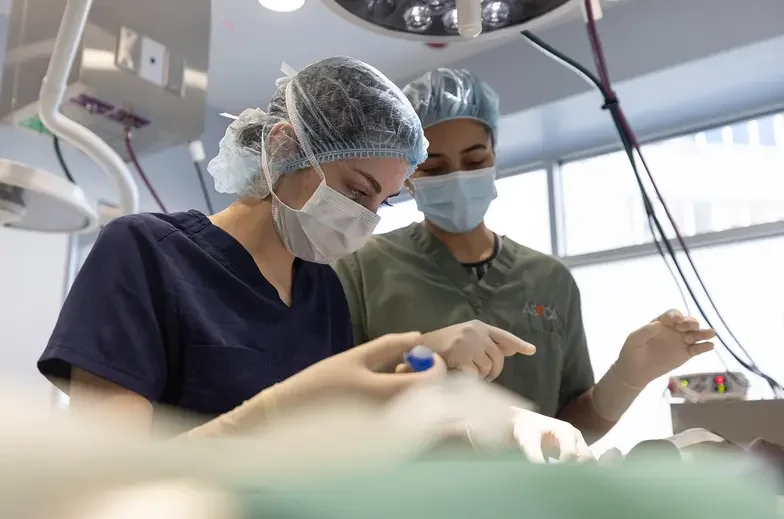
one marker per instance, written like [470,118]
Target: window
[746,282]
[398,215]
[521,211]
[712,181]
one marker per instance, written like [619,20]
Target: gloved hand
[648,353]
[541,437]
[476,348]
[364,371]
[660,346]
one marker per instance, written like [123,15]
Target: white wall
[32,268]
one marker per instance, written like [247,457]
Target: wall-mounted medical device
[443,21]
[141,64]
[139,68]
[701,387]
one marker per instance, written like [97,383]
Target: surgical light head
[442,21]
[342,107]
[444,94]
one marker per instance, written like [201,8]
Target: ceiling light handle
[469,18]
[53,89]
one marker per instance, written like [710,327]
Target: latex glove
[541,437]
[660,346]
[476,348]
[364,371]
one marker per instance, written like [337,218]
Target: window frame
[552,166]
[699,240]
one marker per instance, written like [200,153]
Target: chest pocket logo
[540,311]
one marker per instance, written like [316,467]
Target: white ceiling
[249,42]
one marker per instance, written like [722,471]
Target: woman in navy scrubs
[203,313]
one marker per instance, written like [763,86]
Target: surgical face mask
[329,225]
[456,202]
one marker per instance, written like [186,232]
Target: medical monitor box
[740,421]
[142,65]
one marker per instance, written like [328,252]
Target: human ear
[409,186]
[282,142]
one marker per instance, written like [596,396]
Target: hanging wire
[132,155]
[630,144]
[61,160]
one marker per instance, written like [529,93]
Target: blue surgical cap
[341,108]
[444,94]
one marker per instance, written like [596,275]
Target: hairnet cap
[340,108]
[444,94]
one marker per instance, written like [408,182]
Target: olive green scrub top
[407,280]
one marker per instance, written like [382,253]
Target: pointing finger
[509,343]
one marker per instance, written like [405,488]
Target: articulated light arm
[52,92]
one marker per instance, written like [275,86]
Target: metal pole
[72,264]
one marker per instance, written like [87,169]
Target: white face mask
[456,202]
[329,225]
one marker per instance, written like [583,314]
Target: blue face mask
[456,202]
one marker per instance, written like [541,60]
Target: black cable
[553,53]
[623,126]
[204,191]
[655,222]
[630,144]
[611,103]
[650,214]
[61,160]
[624,129]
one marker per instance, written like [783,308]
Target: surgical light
[495,14]
[381,7]
[282,6]
[35,200]
[443,21]
[450,21]
[418,18]
[439,7]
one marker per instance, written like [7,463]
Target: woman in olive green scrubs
[452,269]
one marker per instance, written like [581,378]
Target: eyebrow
[467,150]
[372,181]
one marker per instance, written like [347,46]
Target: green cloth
[506,487]
[407,280]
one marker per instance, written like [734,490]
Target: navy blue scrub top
[173,308]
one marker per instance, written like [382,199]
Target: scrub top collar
[497,274]
[234,256]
